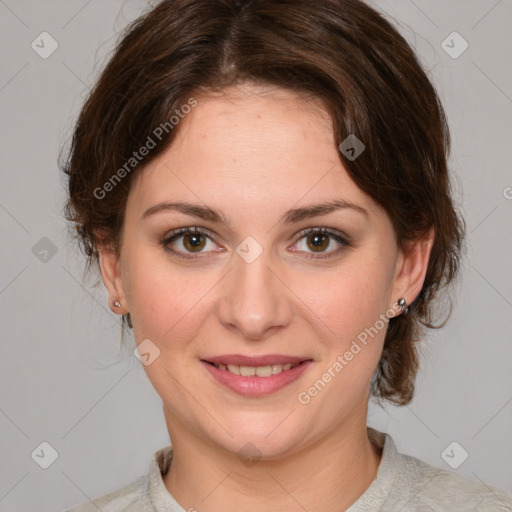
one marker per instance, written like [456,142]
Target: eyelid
[323,230]
[189,229]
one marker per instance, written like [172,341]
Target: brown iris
[192,241]
[320,242]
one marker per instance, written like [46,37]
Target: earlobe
[412,268]
[111,276]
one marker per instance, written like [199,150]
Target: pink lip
[257,386]
[240,360]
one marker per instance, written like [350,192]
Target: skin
[253,153]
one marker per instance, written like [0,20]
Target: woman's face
[252,284]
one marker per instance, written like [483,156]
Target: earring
[403,304]
[117,304]
[128,320]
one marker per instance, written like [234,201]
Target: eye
[318,240]
[190,241]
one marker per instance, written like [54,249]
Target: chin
[267,437]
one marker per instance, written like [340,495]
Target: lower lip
[257,386]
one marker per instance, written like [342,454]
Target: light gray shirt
[403,483]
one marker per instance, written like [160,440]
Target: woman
[264,187]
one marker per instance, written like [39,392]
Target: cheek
[350,299]
[350,305]
[161,302]
[169,309]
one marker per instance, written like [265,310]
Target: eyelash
[174,235]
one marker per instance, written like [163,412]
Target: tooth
[247,371]
[264,371]
[260,371]
[234,369]
[276,368]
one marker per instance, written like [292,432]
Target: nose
[255,300]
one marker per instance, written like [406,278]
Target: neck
[329,475]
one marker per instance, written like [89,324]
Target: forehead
[257,121]
[251,149]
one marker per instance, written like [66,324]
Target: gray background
[62,378]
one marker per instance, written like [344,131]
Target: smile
[255,381]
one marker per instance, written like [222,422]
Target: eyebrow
[289,217]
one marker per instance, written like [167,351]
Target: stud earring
[117,304]
[403,304]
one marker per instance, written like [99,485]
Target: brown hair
[340,51]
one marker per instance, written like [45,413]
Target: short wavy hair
[342,52]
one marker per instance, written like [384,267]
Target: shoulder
[145,494]
[432,489]
[130,498]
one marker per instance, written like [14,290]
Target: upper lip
[266,360]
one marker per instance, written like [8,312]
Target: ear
[411,268]
[110,269]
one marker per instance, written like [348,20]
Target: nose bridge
[255,299]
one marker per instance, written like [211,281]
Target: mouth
[256,376]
